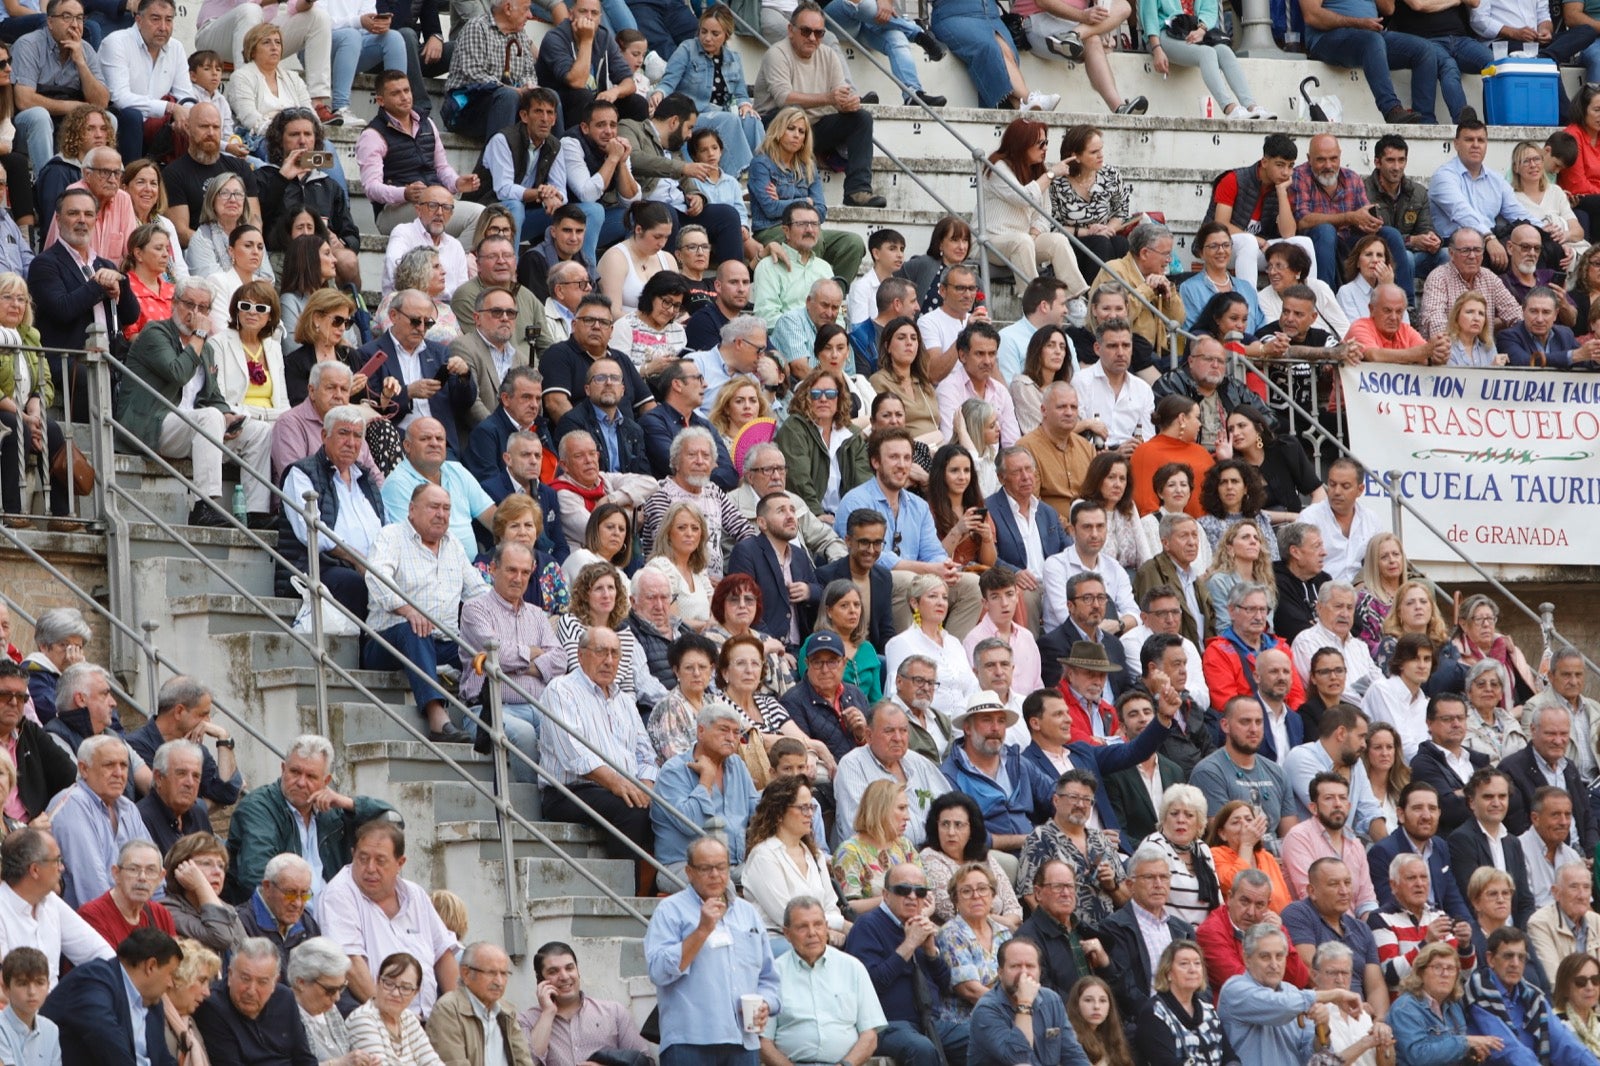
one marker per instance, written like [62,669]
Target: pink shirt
[1026,666]
[111,227]
[1307,842]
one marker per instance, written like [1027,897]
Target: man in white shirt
[1544,845]
[1336,612]
[434,208]
[977,351]
[1568,680]
[887,756]
[958,293]
[33,914]
[1346,526]
[1161,611]
[143,66]
[1087,524]
[1106,391]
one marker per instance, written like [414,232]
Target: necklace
[257,362]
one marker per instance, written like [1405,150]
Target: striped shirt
[368,1033]
[1400,935]
[607,720]
[725,525]
[436,582]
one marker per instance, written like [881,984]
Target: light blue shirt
[680,787]
[1014,348]
[467,499]
[38,1046]
[310,846]
[911,534]
[1198,291]
[1462,201]
[1310,759]
[826,1006]
[89,842]
[608,431]
[509,178]
[700,1006]
[1263,1023]
[716,373]
[139,1013]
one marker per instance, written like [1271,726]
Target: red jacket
[1223,947]
[1081,727]
[1225,673]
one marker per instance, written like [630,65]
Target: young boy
[1001,597]
[888,251]
[205,72]
[789,758]
[26,1038]
[1560,152]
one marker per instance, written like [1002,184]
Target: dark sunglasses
[418,321]
[920,891]
[260,309]
[5,64]
[824,394]
[340,321]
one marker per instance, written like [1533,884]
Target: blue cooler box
[1522,91]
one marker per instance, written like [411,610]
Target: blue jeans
[608,233]
[531,225]
[905,1044]
[522,730]
[355,50]
[1458,54]
[1376,54]
[485,114]
[664,23]
[1425,263]
[968,28]
[1332,248]
[424,653]
[708,1055]
[619,16]
[859,18]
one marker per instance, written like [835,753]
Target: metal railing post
[102,452]
[150,625]
[1255,37]
[318,594]
[978,225]
[512,934]
[1391,482]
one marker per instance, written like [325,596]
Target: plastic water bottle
[239,511]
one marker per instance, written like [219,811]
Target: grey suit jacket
[475,350]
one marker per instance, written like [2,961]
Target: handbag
[754,754]
[82,473]
[1018,28]
[335,623]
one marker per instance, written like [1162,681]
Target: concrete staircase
[209,623]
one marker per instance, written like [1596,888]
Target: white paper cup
[749,1005]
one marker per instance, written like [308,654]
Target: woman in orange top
[1235,841]
[1582,179]
[1177,424]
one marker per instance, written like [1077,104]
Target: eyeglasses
[806,809]
[767,471]
[694,247]
[607,379]
[709,867]
[961,288]
[1074,799]
[204,309]
[923,682]
[141,871]
[1092,597]
[504,975]
[824,394]
[340,321]
[583,283]
[595,321]
[974,891]
[920,891]
[103,172]
[230,194]
[429,205]
[253,308]
[332,990]
[815,34]
[71,20]
[1170,612]
[805,223]
[1467,251]
[746,599]
[421,322]
[390,985]
[501,312]
[18,698]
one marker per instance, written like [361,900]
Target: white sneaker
[1038,101]
[1258,112]
[346,117]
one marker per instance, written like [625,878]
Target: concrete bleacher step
[590,916]
[483,834]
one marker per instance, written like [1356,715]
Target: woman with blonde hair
[1240,555]
[1178,1025]
[679,553]
[519,521]
[1417,611]
[27,392]
[738,403]
[930,603]
[1543,198]
[197,968]
[321,335]
[1427,1017]
[421,269]
[262,86]
[1383,571]
[784,171]
[600,598]
[8,786]
[712,75]
[1471,332]
[224,207]
[816,439]
[878,845]
[977,429]
[1181,818]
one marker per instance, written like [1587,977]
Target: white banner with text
[1505,463]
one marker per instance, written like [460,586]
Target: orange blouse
[1228,867]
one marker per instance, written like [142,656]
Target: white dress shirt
[1361,673]
[1126,413]
[1063,564]
[136,80]
[1345,553]
[409,235]
[1028,529]
[52,927]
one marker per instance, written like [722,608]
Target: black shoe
[448,735]
[929,99]
[208,514]
[930,45]
[1400,115]
[1066,45]
[865,199]
[483,740]
[260,520]
[869,98]
[1137,106]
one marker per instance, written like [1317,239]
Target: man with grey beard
[692,458]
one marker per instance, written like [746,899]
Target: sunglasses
[824,394]
[260,309]
[501,312]
[419,321]
[1586,980]
[340,321]
[920,891]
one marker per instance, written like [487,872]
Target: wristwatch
[227,742]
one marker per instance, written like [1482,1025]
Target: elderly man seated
[130,902]
[766,470]
[1400,930]
[427,462]
[173,808]
[297,433]
[1220,935]
[183,712]
[476,1019]
[255,1017]
[583,486]
[1262,1013]
[693,457]
[301,813]
[278,909]
[1568,923]
[93,819]
[886,756]
[830,1009]
[1501,1004]
[708,781]
[417,562]
[349,502]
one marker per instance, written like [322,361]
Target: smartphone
[983,513]
[316,159]
[443,376]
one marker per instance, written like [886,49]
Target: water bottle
[239,511]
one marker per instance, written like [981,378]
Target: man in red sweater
[1221,935]
[1230,657]
[128,905]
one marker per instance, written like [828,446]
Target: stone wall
[82,558]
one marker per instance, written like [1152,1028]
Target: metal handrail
[319,654]
[15,606]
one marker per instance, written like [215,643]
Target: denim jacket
[689,71]
[1422,1038]
[765,210]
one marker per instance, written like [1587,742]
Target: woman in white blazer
[249,357]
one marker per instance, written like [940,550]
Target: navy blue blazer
[1297,736]
[1057,645]
[631,458]
[661,423]
[64,302]
[449,405]
[90,1005]
[1429,764]
[1102,761]
[486,444]
[1445,893]
[1519,345]
[1008,538]
[757,557]
[1526,779]
[552,540]
[880,627]
[817,718]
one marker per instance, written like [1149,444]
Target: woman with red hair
[1018,223]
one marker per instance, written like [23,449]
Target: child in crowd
[705,146]
[205,72]
[635,49]
[24,1036]
[452,911]
[887,247]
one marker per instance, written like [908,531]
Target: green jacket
[650,160]
[263,826]
[1410,212]
[808,460]
[43,385]
[160,357]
